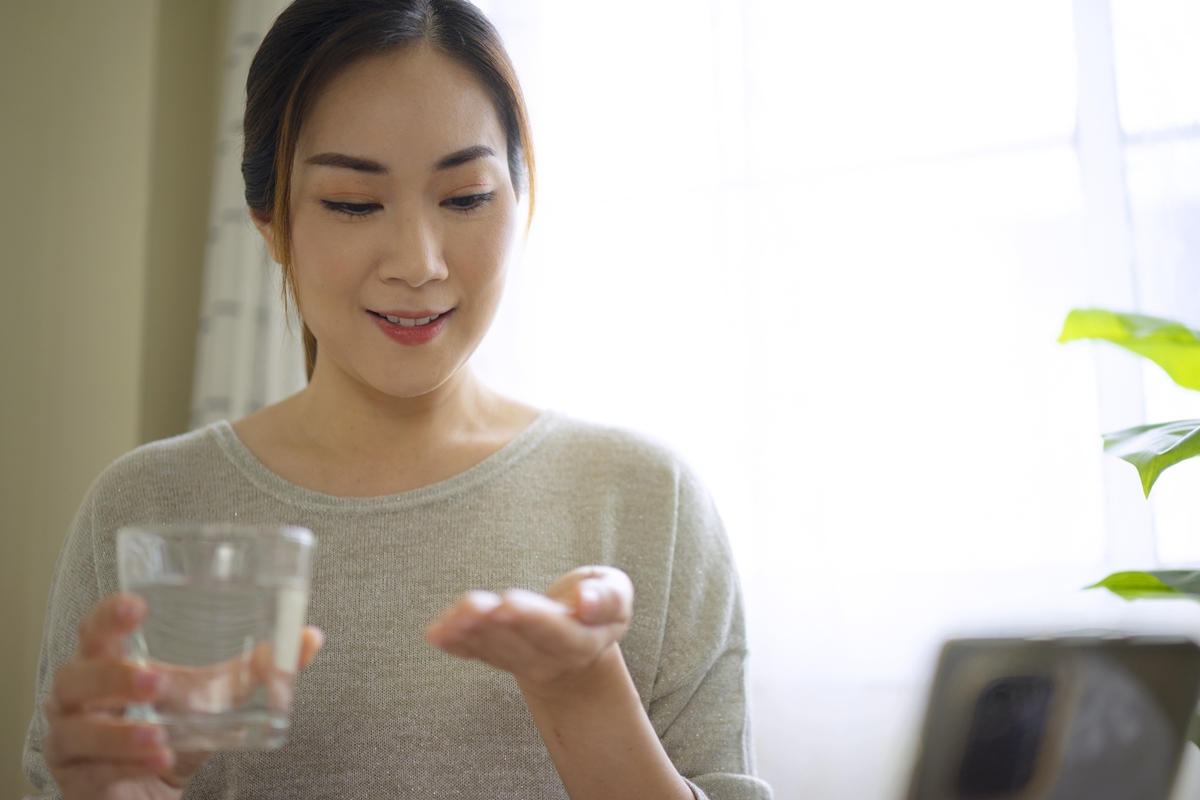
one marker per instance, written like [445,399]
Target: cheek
[482,258]
[323,258]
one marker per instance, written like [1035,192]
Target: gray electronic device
[1072,718]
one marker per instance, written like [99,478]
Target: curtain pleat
[247,354]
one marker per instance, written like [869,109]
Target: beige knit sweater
[380,714]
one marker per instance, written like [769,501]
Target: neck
[350,417]
[342,437]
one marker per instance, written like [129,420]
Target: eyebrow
[348,162]
[368,166]
[464,155]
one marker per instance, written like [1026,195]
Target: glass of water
[225,605]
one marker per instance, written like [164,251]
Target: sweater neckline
[271,482]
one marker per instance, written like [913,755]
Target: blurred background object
[822,249]
[107,125]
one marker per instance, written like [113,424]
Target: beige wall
[107,113]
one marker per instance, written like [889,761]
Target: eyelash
[359,210]
[476,200]
[355,210]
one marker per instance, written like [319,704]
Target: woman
[386,148]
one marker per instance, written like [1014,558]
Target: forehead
[411,104]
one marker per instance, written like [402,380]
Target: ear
[266,229]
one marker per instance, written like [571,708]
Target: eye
[468,202]
[351,209]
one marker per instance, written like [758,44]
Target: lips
[405,322]
[411,327]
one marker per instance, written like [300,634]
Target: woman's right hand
[91,749]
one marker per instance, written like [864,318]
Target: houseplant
[1155,447]
[1151,448]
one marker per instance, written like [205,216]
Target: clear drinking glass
[225,607]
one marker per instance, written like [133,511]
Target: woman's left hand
[550,642]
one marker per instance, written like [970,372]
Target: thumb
[311,641]
[604,597]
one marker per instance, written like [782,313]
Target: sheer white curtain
[247,355]
[824,250]
[1160,118]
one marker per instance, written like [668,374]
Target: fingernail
[147,737]
[160,761]
[127,610]
[589,598]
[483,601]
[146,681]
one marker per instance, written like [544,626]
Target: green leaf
[1134,585]
[1153,448]
[1184,580]
[1170,344]
[1164,583]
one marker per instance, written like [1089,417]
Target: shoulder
[152,483]
[597,445]
[591,460]
[153,460]
[159,469]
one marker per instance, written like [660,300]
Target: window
[825,249]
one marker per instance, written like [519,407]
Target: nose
[413,254]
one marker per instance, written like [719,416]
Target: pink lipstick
[411,327]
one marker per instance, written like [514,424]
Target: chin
[409,383]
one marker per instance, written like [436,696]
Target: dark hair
[314,40]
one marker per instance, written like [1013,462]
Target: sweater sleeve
[74,590]
[698,706]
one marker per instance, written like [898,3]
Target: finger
[598,594]
[547,626]
[475,605]
[546,623]
[479,621]
[466,613]
[564,588]
[102,632]
[186,765]
[604,599]
[538,647]
[497,645]
[91,739]
[93,684]
[519,604]
[262,662]
[499,635]
[312,639]
[84,778]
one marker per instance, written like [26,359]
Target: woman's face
[403,216]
